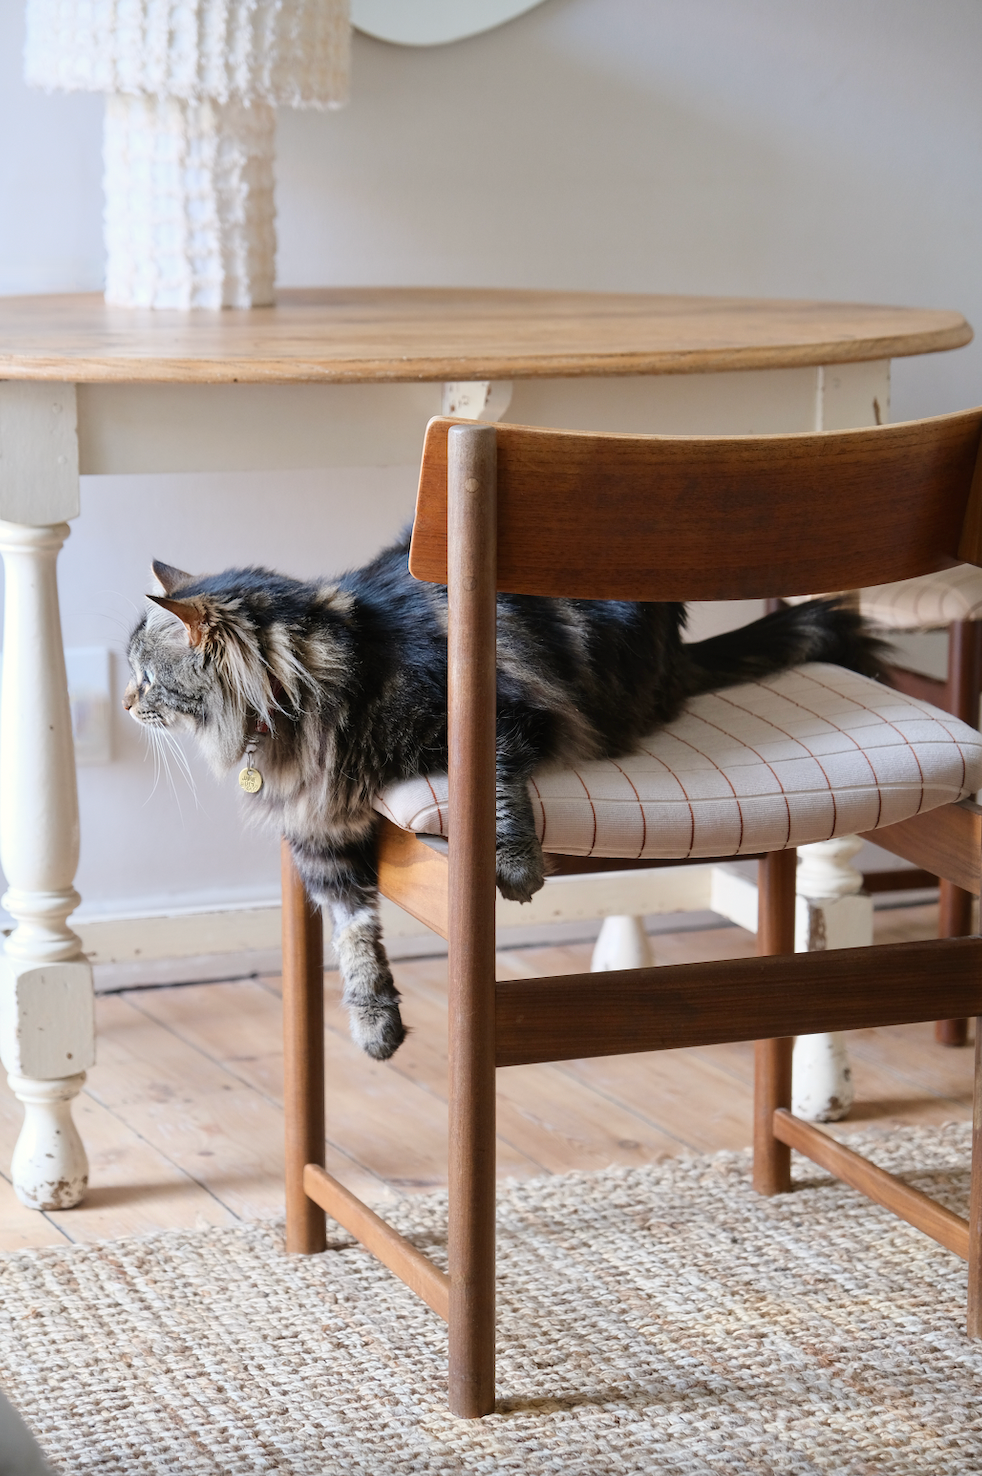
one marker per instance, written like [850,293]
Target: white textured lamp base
[189,203]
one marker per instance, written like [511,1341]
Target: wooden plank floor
[182,1115]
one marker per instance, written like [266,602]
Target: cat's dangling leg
[370,995]
[520,869]
[343,879]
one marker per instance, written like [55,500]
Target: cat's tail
[821,630]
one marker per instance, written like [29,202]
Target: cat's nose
[129,697]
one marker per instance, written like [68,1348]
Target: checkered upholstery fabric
[807,755]
[926,603]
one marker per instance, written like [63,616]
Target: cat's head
[211,657]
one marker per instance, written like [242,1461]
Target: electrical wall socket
[89,671]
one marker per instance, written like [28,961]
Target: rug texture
[662,1319]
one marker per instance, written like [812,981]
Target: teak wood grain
[714,517]
[917,1208]
[955,905]
[564,1019]
[413,875]
[974,1319]
[970,548]
[303,1055]
[471,680]
[776,877]
[946,842]
[360,334]
[391,1248]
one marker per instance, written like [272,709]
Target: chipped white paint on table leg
[46,1003]
[832,912]
[479,399]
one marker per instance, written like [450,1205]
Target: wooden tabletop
[352,335]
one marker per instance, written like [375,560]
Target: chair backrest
[718,517]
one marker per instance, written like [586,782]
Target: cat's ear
[170,578]
[195,619]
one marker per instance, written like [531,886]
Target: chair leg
[303,1057]
[772,1058]
[975,1206]
[471,1227]
[954,921]
[471,514]
[962,699]
[964,674]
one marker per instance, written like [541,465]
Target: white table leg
[478,399]
[46,1002]
[832,912]
[622,943]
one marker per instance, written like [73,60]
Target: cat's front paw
[520,870]
[377,1027]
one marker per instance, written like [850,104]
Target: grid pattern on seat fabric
[925,603]
[810,754]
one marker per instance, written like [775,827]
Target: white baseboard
[216,968]
[185,947]
[203,968]
[176,947]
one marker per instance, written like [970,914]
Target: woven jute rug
[662,1319]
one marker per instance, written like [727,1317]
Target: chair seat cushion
[925,603]
[813,753]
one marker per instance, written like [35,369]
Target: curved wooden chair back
[717,517]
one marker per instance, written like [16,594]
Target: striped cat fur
[341,686]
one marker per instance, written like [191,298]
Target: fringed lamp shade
[192,87]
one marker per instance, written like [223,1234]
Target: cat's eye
[148,678]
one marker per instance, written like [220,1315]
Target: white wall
[828,148]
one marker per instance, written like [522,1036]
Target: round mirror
[433,22]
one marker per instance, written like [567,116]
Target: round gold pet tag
[251,780]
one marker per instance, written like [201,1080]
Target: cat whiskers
[182,762]
[150,735]
[162,744]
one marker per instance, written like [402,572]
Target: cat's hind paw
[520,870]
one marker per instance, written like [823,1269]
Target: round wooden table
[368,335]
[326,373]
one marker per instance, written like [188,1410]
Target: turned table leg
[833,912]
[46,1002]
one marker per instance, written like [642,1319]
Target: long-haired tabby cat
[341,687]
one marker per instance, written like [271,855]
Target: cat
[340,688]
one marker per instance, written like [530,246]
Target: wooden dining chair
[794,759]
[951,600]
